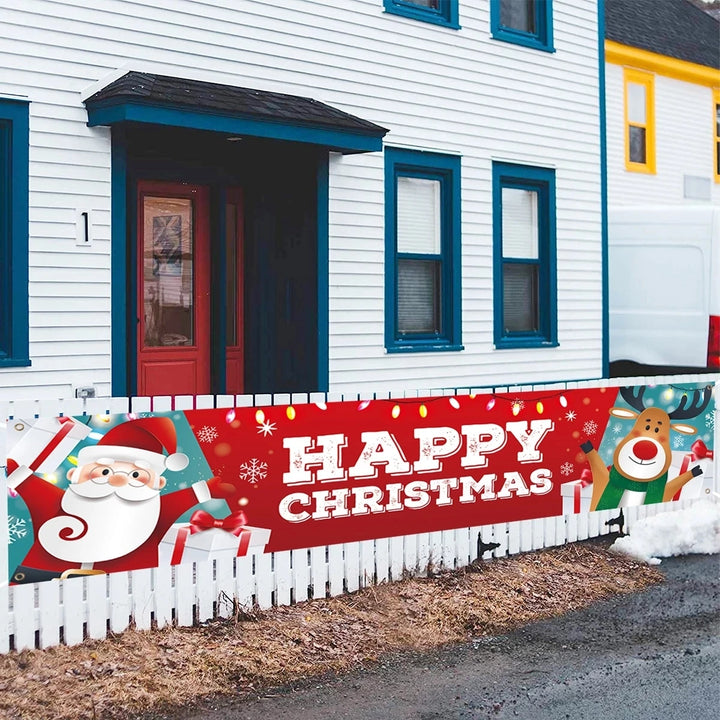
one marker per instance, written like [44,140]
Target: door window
[168,272]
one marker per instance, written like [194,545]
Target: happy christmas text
[321,460]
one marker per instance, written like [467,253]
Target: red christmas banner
[112,493]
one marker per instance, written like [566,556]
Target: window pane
[717,120]
[636,103]
[518,14]
[168,271]
[434,4]
[637,144]
[520,298]
[519,223]
[418,301]
[418,215]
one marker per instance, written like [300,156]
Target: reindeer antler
[633,397]
[697,405]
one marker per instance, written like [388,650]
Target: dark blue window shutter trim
[14,198]
[540,39]
[446,14]
[446,169]
[542,181]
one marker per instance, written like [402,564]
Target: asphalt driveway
[653,655]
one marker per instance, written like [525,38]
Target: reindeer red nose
[645,449]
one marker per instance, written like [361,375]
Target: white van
[664,285]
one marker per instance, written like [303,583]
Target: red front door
[173,289]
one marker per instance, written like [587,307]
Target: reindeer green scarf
[618,484]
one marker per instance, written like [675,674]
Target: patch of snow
[694,530]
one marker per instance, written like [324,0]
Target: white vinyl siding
[453,91]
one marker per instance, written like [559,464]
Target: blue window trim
[446,169]
[14,184]
[542,39]
[541,180]
[447,13]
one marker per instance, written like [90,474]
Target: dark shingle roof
[675,28]
[162,90]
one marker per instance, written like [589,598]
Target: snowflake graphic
[567,469]
[617,430]
[207,434]
[570,415]
[590,427]
[710,419]
[17,528]
[253,471]
[266,428]
[678,442]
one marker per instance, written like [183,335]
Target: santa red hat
[139,440]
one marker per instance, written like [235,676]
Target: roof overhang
[234,111]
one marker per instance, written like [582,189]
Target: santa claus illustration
[112,516]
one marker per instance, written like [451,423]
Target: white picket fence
[70,611]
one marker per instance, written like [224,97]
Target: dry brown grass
[136,671]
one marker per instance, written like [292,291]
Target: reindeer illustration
[639,473]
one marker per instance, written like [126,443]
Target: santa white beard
[103,522]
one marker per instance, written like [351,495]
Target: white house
[663,103]
[300,195]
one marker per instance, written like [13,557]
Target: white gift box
[576,496]
[179,545]
[43,446]
[699,486]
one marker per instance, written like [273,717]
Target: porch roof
[236,111]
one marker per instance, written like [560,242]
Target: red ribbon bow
[700,451]
[585,480]
[233,523]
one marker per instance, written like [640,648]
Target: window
[440,12]
[422,251]
[524,256]
[14,144]
[639,121]
[716,133]
[524,22]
